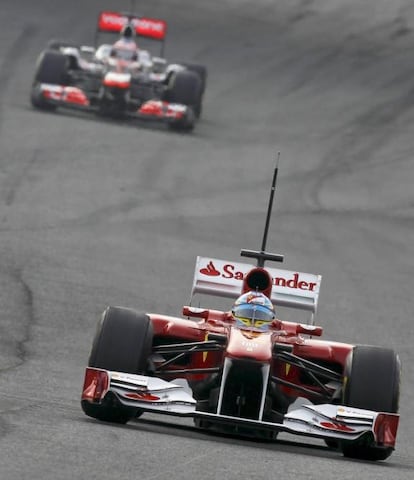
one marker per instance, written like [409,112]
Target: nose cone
[245,344]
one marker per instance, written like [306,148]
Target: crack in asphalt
[28,294]
[4,428]
[304,10]
[26,322]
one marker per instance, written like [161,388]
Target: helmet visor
[256,316]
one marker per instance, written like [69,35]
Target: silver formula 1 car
[242,370]
[120,79]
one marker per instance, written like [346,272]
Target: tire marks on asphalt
[10,61]
[360,140]
[7,72]
[16,178]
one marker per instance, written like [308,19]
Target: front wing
[325,421]
[76,98]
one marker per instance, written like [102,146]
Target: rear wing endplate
[224,279]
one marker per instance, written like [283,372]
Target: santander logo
[229,271]
[210,270]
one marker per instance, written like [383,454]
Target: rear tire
[372,382]
[123,343]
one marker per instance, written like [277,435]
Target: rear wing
[225,279]
[113,22]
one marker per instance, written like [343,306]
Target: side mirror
[309,329]
[87,49]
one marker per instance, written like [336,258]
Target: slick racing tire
[51,68]
[201,71]
[122,343]
[58,44]
[185,88]
[371,382]
[185,124]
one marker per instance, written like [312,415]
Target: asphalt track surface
[93,212]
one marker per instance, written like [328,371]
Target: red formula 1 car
[242,371]
[120,79]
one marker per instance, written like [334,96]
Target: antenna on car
[261,256]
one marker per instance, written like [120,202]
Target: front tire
[201,71]
[372,382]
[123,343]
[185,124]
[185,88]
[58,44]
[52,68]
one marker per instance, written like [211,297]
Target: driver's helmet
[253,310]
[128,31]
[125,49]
